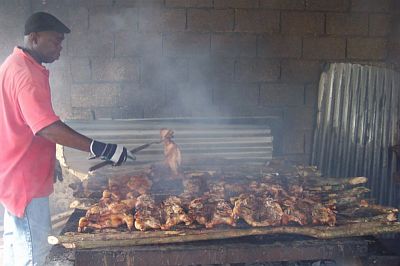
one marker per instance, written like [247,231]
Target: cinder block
[311,95]
[88,43]
[300,71]
[137,3]
[367,48]
[282,94]
[80,69]
[186,44]
[131,100]
[347,24]
[12,17]
[236,94]
[256,70]
[115,69]
[379,24]
[283,4]
[214,69]
[299,117]
[90,95]
[301,23]
[214,20]
[189,3]
[324,48]
[328,5]
[233,45]
[188,96]
[251,20]
[293,141]
[153,98]
[113,19]
[236,3]
[279,46]
[371,5]
[81,113]
[158,70]
[162,20]
[138,44]
[78,18]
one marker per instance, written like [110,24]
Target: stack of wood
[280,194]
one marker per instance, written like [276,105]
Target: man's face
[48,45]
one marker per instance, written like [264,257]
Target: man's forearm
[62,134]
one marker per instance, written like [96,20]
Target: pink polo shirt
[26,161]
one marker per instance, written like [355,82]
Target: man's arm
[62,134]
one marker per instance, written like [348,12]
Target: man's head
[44,34]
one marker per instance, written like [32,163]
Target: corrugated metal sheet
[357,122]
[247,140]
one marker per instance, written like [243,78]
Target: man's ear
[33,37]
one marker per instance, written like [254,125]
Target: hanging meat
[172,153]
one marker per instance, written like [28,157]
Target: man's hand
[58,175]
[116,153]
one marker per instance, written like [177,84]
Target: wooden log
[87,241]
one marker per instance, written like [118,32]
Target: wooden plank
[119,239]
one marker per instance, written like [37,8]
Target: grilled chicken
[113,220]
[200,210]
[147,214]
[172,153]
[173,213]
[113,215]
[257,211]
[222,214]
[292,213]
[139,184]
[210,212]
[147,219]
[323,215]
[110,212]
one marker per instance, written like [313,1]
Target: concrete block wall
[173,58]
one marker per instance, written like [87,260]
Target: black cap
[42,21]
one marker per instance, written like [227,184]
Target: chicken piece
[147,214]
[323,215]
[200,210]
[233,190]
[257,211]
[172,153]
[216,190]
[222,214]
[145,201]
[174,213]
[147,219]
[292,213]
[107,221]
[139,184]
[209,212]
[130,200]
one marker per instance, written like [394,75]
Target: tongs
[135,150]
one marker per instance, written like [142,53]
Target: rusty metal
[357,122]
[247,250]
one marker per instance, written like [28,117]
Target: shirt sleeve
[36,108]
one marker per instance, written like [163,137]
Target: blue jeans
[25,239]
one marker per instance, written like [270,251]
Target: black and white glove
[115,153]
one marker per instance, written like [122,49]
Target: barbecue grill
[232,151]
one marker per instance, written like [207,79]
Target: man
[29,130]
